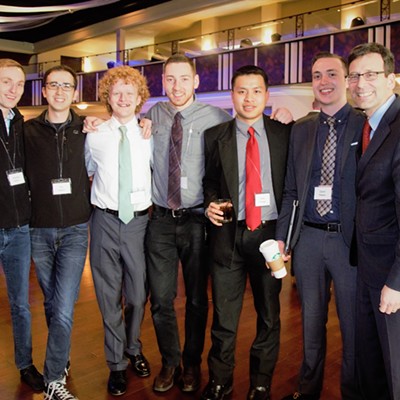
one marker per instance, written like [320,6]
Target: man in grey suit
[234,246]
[371,83]
[320,176]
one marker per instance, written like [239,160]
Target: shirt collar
[376,117]
[340,116]
[243,127]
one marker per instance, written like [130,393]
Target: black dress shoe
[166,378]
[117,383]
[191,378]
[215,391]
[258,393]
[140,365]
[33,378]
[301,396]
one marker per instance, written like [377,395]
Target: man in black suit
[322,236]
[235,246]
[371,83]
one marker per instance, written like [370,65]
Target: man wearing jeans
[59,184]
[15,255]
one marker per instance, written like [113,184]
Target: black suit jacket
[378,204]
[221,178]
[302,144]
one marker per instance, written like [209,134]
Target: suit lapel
[380,135]
[352,135]
[228,153]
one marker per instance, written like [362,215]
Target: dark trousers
[228,285]
[378,346]
[168,241]
[319,258]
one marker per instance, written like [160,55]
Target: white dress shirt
[101,154]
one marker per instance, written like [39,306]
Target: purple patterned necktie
[174,171]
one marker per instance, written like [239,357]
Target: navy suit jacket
[221,178]
[298,175]
[378,204]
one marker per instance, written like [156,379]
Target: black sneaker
[57,390]
[33,378]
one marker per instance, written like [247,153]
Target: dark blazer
[221,178]
[298,175]
[378,204]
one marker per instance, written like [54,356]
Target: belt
[115,213]
[330,226]
[179,212]
[242,224]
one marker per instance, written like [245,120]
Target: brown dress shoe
[191,378]
[166,378]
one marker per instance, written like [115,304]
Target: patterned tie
[174,172]
[328,165]
[125,211]
[253,181]
[366,134]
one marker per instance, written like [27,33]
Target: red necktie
[366,133]
[253,181]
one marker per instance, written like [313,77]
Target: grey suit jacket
[298,175]
[221,178]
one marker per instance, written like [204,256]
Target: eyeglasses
[368,76]
[65,86]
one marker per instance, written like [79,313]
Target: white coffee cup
[273,257]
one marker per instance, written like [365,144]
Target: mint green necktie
[125,211]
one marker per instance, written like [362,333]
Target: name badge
[184,182]
[262,199]
[138,197]
[15,176]
[61,186]
[323,192]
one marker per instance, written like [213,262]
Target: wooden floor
[89,374]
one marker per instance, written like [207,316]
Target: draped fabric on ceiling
[21,21]
[30,17]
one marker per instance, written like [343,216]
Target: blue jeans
[15,257]
[59,255]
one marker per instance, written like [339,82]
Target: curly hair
[130,76]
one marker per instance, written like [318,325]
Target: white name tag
[323,192]
[262,199]
[15,177]
[138,197]
[184,182]
[61,186]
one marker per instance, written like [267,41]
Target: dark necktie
[125,210]
[366,134]
[174,171]
[328,165]
[253,181]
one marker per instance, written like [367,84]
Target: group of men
[345,187]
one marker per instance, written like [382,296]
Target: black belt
[115,213]
[180,212]
[242,224]
[330,226]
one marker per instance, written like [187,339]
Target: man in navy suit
[322,237]
[234,246]
[371,82]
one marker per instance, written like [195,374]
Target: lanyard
[11,161]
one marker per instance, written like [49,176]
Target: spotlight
[276,37]
[246,43]
[358,21]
